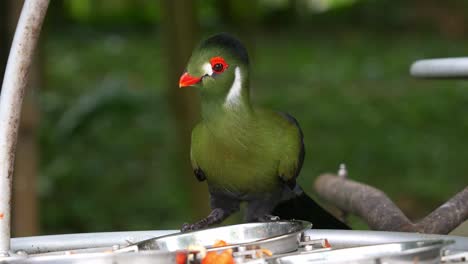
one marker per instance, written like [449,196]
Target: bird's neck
[235,104]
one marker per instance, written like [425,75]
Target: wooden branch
[380,213]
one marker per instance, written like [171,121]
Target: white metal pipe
[441,68]
[337,238]
[357,238]
[50,243]
[13,88]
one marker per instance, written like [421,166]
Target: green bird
[244,153]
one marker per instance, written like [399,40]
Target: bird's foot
[216,216]
[186,227]
[268,218]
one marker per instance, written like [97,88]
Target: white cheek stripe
[233,96]
[207,69]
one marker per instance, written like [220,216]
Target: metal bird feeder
[286,242]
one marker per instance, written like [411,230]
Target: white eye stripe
[207,69]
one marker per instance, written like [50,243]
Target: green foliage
[357,104]
[107,149]
[112,12]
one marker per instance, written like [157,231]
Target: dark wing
[302,207]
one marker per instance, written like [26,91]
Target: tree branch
[380,213]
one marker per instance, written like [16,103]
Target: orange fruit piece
[213,257]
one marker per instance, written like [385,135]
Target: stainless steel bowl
[278,237]
[146,257]
[427,251]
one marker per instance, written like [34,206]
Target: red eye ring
[218,64]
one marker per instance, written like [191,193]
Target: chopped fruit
[220,243]
[266,252]
[326,244]
[181,257]
[200,249]
[213,257]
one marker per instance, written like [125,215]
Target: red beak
[188,80]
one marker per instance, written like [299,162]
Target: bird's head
[218,67]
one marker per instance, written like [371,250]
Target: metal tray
[279,237]
[146,257]
[427,251]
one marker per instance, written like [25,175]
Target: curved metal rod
[338,239]
[442,68]
[13,87]
[356,238]
[50,243]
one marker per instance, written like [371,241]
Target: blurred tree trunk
[25,199]
[25,202]
[181,31]
[449,17]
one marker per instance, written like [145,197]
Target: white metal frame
[441,68]
[13,89]
[338,238]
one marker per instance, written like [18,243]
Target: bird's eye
[218,67]
[218,64]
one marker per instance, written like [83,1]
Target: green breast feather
[249,154]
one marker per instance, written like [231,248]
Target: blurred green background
[105,130]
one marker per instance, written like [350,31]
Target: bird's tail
[302,207]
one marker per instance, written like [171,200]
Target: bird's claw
[274,218]
[269,218]
[186,227]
